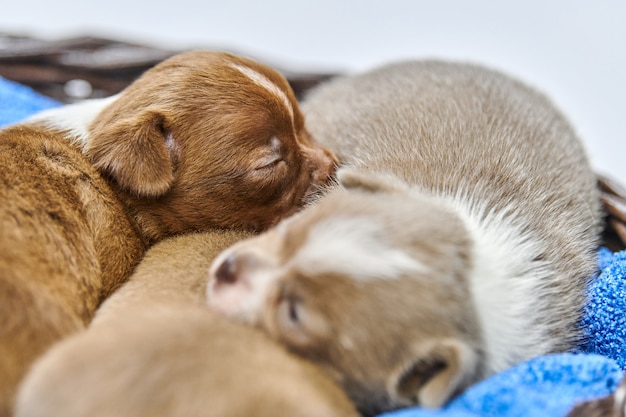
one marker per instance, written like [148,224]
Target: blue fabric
[545,386]
[551,385]
[18,102]
[605,319]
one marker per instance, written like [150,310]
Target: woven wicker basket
[106,65]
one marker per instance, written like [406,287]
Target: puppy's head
[206,140]
[369,283]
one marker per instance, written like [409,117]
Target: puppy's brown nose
[227,272]
[324,164]
[328,167]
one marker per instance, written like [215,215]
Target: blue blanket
[18,101]
[545,386]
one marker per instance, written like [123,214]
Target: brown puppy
[202,141]
[154,350]
[459,243]
[66,242]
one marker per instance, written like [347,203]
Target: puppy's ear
[374,182]
[134,152]
[435,375]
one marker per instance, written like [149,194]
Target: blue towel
[605,319]
[545,386]
[18,102]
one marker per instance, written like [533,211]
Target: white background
[573,50]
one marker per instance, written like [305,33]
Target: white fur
[504,288]
[73,118]
[266,83]
[354,247]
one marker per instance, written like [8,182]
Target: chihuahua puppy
[153,349]
[458,242]
[202,141]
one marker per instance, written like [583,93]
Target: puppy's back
[173,271]
[60,233]
[181,361]
[493,147]
[448,127]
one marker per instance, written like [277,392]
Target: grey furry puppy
[459,242]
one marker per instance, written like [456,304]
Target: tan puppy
[202,141]
[154,350]
[172,273]
[459,244]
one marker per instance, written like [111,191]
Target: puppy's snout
[331,164]
[324,164]
[334,161]
[226,273]
[234,270]
[238,283]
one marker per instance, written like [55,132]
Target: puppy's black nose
[227,271]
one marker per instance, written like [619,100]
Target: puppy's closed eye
[290,313]
[273,157]
[269,162]
[299,322]
[293,321]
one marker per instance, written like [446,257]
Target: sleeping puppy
[66,242]
[202,141]
[153,349]
[459,241]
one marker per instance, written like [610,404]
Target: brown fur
[208,177]
[192,145]
[66,242]
[153,350]
[172,272]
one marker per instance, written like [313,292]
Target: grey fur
[460,241]
[466,132]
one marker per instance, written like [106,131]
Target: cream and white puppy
[459,241]
[203,140]
[153,349]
